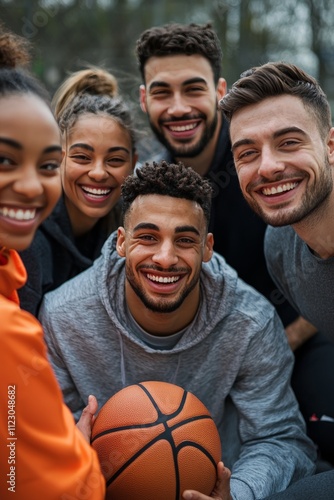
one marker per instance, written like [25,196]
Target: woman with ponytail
[43,454]
[98,142]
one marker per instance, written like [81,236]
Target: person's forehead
[165,211]
[177,68]
[269,115]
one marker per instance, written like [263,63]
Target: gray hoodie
[234,357]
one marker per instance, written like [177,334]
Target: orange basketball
[155,440]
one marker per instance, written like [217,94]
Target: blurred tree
[69,34]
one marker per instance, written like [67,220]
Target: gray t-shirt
[306,280]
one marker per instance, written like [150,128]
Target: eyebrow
[14,144]
[288,130]
[11,142]
[90,148]
[52,149]
[190,81]
[187,229]
[276,135]
[178,229]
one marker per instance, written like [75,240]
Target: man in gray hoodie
[159,304]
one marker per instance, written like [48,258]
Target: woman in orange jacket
[43,454]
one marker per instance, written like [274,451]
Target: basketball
[154,440]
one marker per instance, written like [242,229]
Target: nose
[270,164]
[98,172]
[165,255]
[29,183]
[179,106]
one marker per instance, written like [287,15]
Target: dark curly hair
[169,179]
[176,39]
[274,79]
[14,57]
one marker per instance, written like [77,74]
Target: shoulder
[231,297]
[72,294]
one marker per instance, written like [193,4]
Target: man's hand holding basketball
[221,490]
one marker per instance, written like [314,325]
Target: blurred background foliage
[67,35]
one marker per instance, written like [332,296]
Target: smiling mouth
[283,188]
[97,192]
[19,214]
[162,279]
[182,128]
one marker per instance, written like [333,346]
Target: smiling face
[164,242]
[30,155]
[180,99]
[284,165]
[98,157]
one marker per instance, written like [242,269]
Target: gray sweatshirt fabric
[234,357]
[307,281]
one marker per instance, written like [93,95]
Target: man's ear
[208,249]
[221,89]
[120,245]
[330,146]
[142,97]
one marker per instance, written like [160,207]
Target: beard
[162,305]
[183,150]
[313,201]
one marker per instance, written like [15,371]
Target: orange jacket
[43,455]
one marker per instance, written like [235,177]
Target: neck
[80,223]
[201,163]
[317,230]
[162,324]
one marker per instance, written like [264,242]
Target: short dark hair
[176,39]
[169,179]
[274,79]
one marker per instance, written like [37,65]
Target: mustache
[263,181]
[200,116]
[174,270]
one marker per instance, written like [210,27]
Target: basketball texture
[154,440]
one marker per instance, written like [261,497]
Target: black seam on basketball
[151,398]
[152,424]
[126,427]
[199,447]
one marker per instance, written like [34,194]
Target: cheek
[154,109]
[120,174]
[244,178]
[69,175]
[53,190]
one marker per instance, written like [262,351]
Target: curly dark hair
[174,39]
[274,79]
[169,179]
[14,56]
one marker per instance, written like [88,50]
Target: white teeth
[182,128]
[96,192]
[279,189]
[160,279]
[19,214]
